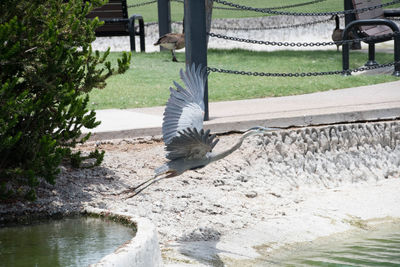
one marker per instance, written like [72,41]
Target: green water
[68,242]
[379,246]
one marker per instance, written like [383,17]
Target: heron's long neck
[227,152]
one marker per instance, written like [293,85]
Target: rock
[251,194]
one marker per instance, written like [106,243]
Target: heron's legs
[136,187]
[149,182]
[146,184]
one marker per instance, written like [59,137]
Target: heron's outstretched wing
[191,144]
[185,107]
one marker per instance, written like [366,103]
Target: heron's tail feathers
[161,170]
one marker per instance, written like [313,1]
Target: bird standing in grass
[188,146]
[337,32]
[172,41]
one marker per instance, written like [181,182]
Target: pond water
[379,246]
[68,242]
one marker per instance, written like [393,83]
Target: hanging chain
[299,44]
[251,28]
[217,7]
[150,24]
[295,5]
[272,27]
[143,4]
[299,74]
[269,8]
[273,12]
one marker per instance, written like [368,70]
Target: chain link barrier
[142,4]
[270,8]
[299,44]
[224,8]
[251,28]
[273,27]
[299,74]
[287,13]
[295,5]
[256,28]
[292,44]
[259,28]
[266,27]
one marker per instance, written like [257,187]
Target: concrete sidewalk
[373,102]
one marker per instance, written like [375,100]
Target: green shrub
[47,67]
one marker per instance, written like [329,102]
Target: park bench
[372,23]
[117,23]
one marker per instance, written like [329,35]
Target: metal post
[348,5]
[142,37]
[345,59]
[164,18]
[348,17]
[131,29]
[371,55]
[196,39]
[396,71]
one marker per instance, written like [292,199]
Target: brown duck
[172,41]
[337,33]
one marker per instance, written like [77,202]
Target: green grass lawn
[147,81]
[149,12]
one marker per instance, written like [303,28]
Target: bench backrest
[376,13]
[114,9]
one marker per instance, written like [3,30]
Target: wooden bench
[117,23]
[372,23]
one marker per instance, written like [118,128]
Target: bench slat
[377,13]
[112,6]
[112,29]
[371,14]
[107,14]
[378,30]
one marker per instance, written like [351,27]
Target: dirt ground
[314,181]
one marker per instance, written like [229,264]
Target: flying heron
[188,146]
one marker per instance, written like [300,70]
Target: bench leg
[396,56]
[345,59]
[371,55]
[141,34]
[131,28]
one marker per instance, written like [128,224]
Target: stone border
[141,250]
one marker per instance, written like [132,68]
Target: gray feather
[185,107]
[190,144]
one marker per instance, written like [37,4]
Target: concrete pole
[164,18]
[196,39]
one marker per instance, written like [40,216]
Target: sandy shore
[291,186]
